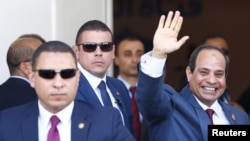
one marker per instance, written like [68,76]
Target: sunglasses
[226,51]
[91,47]
[50,74]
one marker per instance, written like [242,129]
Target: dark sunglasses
[91,47]
[50,74]
[226,51]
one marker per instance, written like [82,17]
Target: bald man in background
[16,90]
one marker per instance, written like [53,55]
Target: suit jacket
[119,91]
[100,123]
[144,130]
[15,91]
[173,116]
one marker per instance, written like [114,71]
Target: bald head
[21,51]
[217,40]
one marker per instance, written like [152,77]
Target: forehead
[55,60]
[208,58]
[131,44]
[95,36]
[218,42]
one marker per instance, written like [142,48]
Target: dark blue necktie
[105,96]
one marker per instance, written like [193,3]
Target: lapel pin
[81,125]
[117,93]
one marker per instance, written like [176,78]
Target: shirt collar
[93,80]
[20,77]
[64,115]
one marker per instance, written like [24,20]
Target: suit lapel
[86,93]
[203,120]
[122,103]
[116,94]
[30,124]
[228,113]
[79,126]
[202,116]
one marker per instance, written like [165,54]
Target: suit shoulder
[19,112]
[115,82]
[113,79]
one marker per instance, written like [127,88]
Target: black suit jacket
[15,91]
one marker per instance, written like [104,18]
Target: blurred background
[201,17]
[60,19]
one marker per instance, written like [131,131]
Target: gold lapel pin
[81,125]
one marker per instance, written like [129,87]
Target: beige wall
[52,19]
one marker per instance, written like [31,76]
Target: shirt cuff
[151,66]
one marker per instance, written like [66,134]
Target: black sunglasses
[225,51]
[91,47]
[50,74]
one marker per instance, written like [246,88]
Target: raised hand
[165,38]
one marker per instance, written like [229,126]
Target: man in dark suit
[94,49]
[55,78]
[184,116]
[16,90]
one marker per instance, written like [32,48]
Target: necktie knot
[102,85]
[132,90]
[210,113]
[54,120]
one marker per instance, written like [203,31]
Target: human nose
[98,50]
[135,58]
[212,79]
[58,81]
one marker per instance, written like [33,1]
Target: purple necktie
[210,113]
[53,134]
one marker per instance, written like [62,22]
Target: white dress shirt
[64,126]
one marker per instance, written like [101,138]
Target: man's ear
[188,73]
[76,50]
[32,79]
[25,68]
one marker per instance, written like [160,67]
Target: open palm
[165,38]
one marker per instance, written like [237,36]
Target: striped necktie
[135,112]
[53,134]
